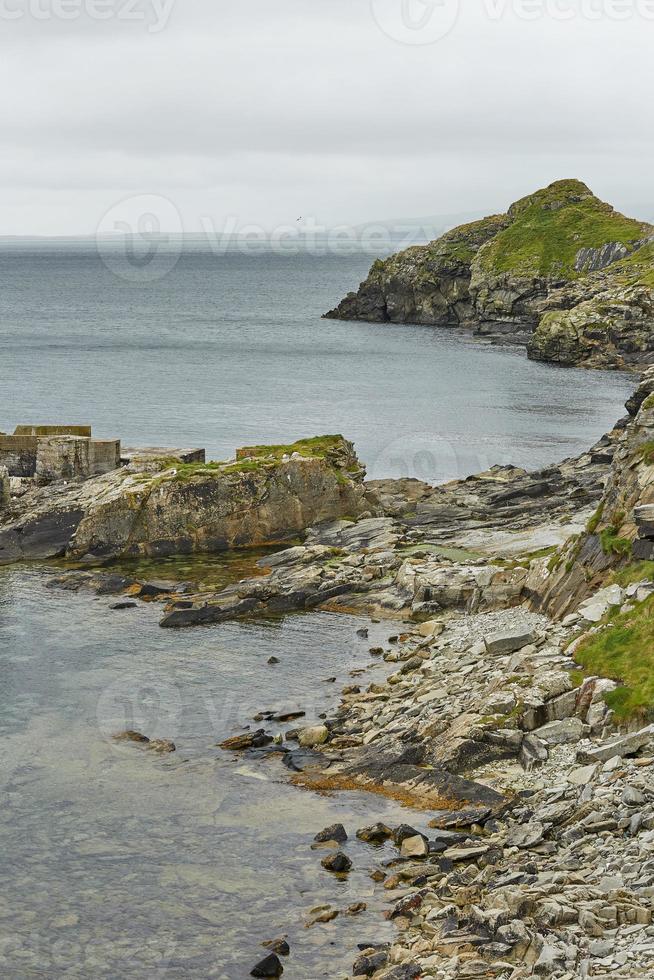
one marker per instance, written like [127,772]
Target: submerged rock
[379,833]
[269,967]
[337,863]
[336,833]
[131,736]
[278,946]
[162,745]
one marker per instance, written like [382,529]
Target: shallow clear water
[116,862]
[229,350]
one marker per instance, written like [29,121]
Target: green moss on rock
[551,227]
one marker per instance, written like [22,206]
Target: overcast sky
[343,111]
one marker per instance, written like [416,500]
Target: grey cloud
[248,108]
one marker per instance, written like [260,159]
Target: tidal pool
[116,862]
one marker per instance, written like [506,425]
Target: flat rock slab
[466,853]
[619,747]
[564,732]
[509,641]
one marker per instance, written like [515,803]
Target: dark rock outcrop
[620,531]
[424,284]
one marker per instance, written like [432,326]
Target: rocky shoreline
[501,715]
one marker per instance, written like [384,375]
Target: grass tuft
[624,651]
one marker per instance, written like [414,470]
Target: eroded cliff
[562,271]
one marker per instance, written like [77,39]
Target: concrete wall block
[63,458]
[18,454]
[4,487]
[75,457]
[104,456]
[53,430]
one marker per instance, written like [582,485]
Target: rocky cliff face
[531,271]
[267,494]
[612,327]
[621,532]
[424,284]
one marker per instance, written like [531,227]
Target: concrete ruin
[4,487]
[48,453]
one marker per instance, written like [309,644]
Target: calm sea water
[227,350]
[115,863]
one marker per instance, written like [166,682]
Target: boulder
[270,966]
[565,732]
[336,832]
[619,747]
[338,863]
[414,847]
[508,641]
[278,946]
[379,833]
[309,738]
[249,740]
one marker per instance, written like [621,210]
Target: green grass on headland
[317,447]
[552,226]
[637,571]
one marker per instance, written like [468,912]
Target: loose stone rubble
[541,858]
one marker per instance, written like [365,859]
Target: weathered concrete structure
[75,457]
[53,430]
[57,452]
[18,454]
[4,487]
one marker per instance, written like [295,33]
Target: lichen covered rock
[425,283]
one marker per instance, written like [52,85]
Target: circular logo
[139,239]
[425,456]
[149,706]
[416,21]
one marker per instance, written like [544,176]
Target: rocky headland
[561,271]
[516,700]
